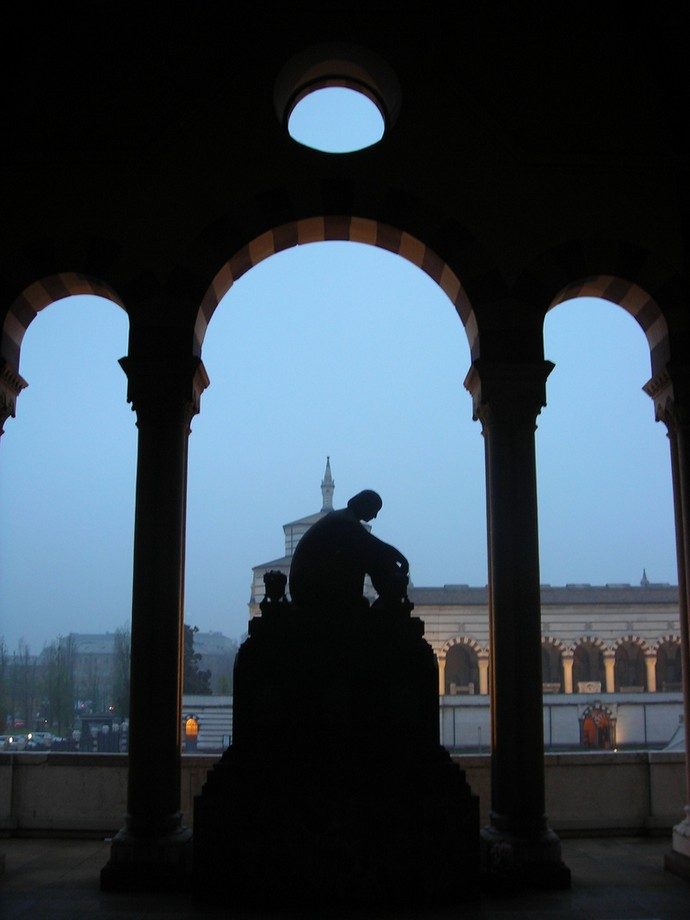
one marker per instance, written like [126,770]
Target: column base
[139,863]
[511,862]
[678,860]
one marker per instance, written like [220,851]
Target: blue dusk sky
[333,349]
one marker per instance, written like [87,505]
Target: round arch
[463,640]
[617,270]
[668,663]
[670,639]
[555,642]
[588,661]
[344,228]
[598,726]
[629,668]
[552,650]
[37,297]
[594,641]
[631,639]
[634,300]
[461,671]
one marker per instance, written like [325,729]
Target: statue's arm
[381,553]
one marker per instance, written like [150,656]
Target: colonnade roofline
[581,594]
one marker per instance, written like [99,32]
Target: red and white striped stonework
[670,639]
[38,296]
[319,229]
[633,299]
[555,642]
[463,640]
[590,640]
[631,640]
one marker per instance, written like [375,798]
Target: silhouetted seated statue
[336,787]
[334,556]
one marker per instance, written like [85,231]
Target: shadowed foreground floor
[613,879]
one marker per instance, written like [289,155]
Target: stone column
[154,848]
[11,385]
[650,664]
[670,391]
[483,663]
[568,660]
[441,675]
[507,399]
[610,671]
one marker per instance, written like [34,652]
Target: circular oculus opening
[336,119]
[336,98]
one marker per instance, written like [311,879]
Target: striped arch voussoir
[670,639]
[37,297]
[320,229]
[635,301]
[462,640]
[633,640]
[590,640]
[556,643]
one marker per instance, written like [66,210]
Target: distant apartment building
[94,664]
[217,656]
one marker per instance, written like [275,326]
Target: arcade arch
[371,346]
[67,495]
[586,461]
[630,671]
[552,665]
[463,667]
[342,228]
[36,297]
[588,664]
[669,676]
[635,301]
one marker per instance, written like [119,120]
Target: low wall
[641,719]
[603,792]
[58,794]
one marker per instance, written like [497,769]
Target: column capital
[670,392]
[11,385]
[165,390]
[507,392]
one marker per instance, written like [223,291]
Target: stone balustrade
[84,795]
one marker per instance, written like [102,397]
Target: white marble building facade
[611,667]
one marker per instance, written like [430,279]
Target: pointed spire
[327,487]
[645,580]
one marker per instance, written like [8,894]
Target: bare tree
[195,681]
[58,682]
[4,684]
[121,668]
[24,689]
[91,688]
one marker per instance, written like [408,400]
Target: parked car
[3,742]
[39,741]
[16,743]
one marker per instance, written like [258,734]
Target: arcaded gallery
[524,160]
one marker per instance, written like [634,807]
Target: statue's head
[366,504]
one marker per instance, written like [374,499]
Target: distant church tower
[293,532]
[327,487]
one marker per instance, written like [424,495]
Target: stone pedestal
[336,788]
